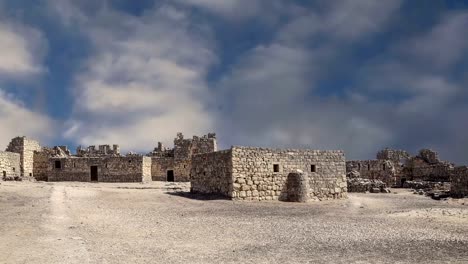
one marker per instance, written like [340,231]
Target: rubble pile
[366,185]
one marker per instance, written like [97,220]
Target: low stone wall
[261,173]
[10,168]
[459,185]
[366,185]
[212,173]
[109,169]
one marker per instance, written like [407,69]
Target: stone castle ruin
[240,173]
[175,164]
[397,168]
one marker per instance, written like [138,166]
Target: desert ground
[157,223]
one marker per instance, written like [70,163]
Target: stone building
[395,167]
[175,164]
[459,182]
[135,168]
[10,165]
[247,173]
[90,164]
[25,147]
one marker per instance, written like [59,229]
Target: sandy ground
[137,223]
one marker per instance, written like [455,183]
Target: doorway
[170,176]
[94,173]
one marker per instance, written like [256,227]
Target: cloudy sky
[357,75]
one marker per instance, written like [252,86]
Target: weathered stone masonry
[459,186]
[175,164]
[9,165]
[103,169]
[25,147]
[247,173]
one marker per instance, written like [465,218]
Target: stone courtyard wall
[254,177]
[212,173]
[110,169]
[383,170]
[160,166]
[459,184]
[9,165]
[25,147]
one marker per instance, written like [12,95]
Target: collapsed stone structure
[248,173]
[394,167]
[175,164]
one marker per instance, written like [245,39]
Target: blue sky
[357,75]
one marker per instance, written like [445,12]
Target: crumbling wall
[212,173]
[261,174]
[459,185]
[102,150]
[383,170]
[179,159]
[109,169]
[25,147]
[10,168]
[426,166]
[396,156]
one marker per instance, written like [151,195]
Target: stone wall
[25,147]
[10,168]
[146,169]
[396,156]
[212,173]
[246,173]
[179,159]
[459,185]
[161,165]
[383,170]
[255,177]
[109,169]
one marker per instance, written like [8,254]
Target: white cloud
[21,50]
[145,80]
[17,120]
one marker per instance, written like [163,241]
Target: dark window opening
[58,164]
[368,166]
[74,164]
[14,169]
[94,173]
[170,176]
[359,166]
[4,173]
[275,167]
[313,168]
[106,166]
[130,161]
[30,174]
[384,167]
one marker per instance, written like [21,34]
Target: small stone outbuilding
[248,173]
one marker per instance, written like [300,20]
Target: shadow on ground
[197,196]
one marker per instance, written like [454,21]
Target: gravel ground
[143,223]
